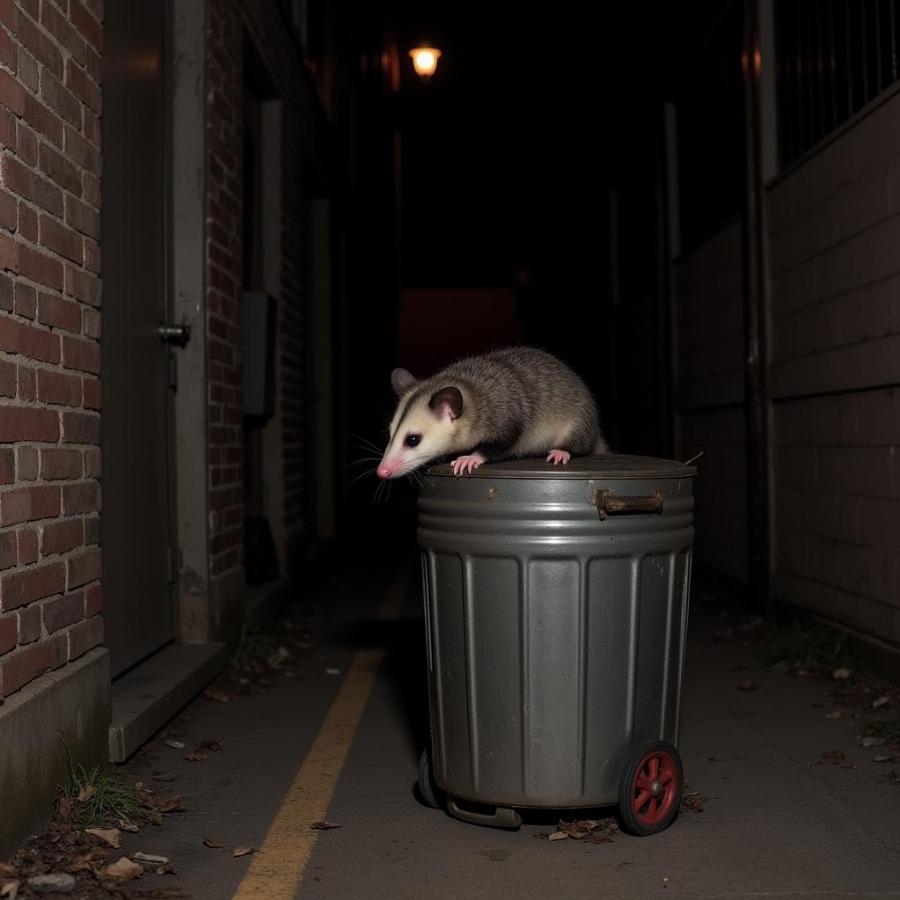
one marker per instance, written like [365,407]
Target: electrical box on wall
[259,354]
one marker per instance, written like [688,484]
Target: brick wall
[834,228]
[50,594]
[710,395]
[229,25]
[223,279]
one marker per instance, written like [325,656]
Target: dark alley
[442,443]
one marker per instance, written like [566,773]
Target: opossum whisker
[361,475]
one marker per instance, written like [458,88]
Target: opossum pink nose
[384,471]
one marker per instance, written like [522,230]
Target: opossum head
[426,425]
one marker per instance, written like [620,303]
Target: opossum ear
[401,381]
[447,403]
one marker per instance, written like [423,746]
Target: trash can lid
[611,465]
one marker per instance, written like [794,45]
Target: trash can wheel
[650,789]
[429,793]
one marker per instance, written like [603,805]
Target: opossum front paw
[466,465]
[559,456]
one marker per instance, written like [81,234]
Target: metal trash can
[556,605]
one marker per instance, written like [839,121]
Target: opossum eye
[412,439]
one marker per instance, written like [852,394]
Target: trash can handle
[609,503]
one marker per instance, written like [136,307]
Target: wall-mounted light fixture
[425,59]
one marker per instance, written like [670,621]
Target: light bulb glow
[425,60]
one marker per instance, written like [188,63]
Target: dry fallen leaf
[835,756]
[111,836]
[212,843]
[9,890]
[324,826]
[882,759]
[217,694]
[167,805]
[748,684]
[841,674]
[836,714]
[8,871]
[86,793]
[125,825]
[176,745]
[558,836]
[243,851]
[196,756]
[164,776]
[693,801]
[214,744]
[124,869]
[877,704]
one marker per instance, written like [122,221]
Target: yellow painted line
[277,869]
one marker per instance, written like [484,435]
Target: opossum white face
[425,425]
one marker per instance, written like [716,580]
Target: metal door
[136,521]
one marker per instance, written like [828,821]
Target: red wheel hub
[654,788]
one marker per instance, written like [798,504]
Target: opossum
[506,404]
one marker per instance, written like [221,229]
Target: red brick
[8,552]
[9,214]
[92,193]
[28,546]
[34,343]
[89,27]
[93,600]
[59,169]
[62,611]
[26,300]
[25,586]
[29,73]
[6,293]
[29,623]
[92,64]
[85,636]
[40,268]
[56,23]
[84,567]
[7,465]
[26,463]
[91,127]
[82,217]
[93,463]
[92,394]
[83,497]
[60,537]
[61,239]
[92,530]
[59,313]
[59,464]
[81,355]
[27,663]
[28,222]
[7,379]
[83,153]
[91,323]
[9,254]
[83,86]
[81,428]
[8,129]
[9,629]
[92,256]
[27,383]
[12,94]
[28,504]
[83,286]
[27,144]
[9,51]
[22,423]
[43,120]
[39,44]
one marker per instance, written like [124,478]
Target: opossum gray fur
[510,403]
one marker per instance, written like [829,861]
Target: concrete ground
[779,820]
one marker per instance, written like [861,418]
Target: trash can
[556,607]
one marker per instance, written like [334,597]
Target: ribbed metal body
[556,633]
